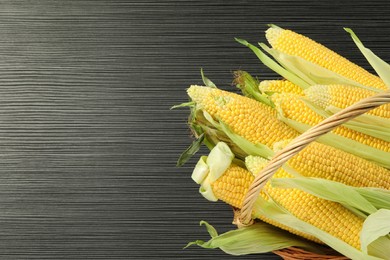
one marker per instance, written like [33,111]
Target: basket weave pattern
[244,217]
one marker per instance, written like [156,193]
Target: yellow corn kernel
[294,108]
[280,86]
[246,117]
[298,45]
[232,186]
[342,96]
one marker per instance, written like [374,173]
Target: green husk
[379,65]
[329,190]
[212,134]
[207,82]
[380,248]
[311,73]
[190,151]
[200,171]
[210,168]
[186,104]
[245,145]
[267,61]
[373,204]
[380,198]
[250,87]
[274,211]
[218,160]
[367,124]
[375,226]
[257,238]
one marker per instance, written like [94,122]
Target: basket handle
[297,144]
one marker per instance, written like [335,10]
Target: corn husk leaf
[329,190]
[311,73]
[380,66]
[248,147]
[257,238]
[348,145]
[218,160]
[249,86]
[190,151]
[207,82]
[380,198]
[267,61]
[186,104]
[366,123]
[380,247]
[272,210]
[375,226]
[212,134]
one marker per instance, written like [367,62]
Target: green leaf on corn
[379,65]
[343,143]
[257,238]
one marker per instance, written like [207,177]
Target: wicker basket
[243,218]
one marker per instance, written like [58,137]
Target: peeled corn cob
[293,107]
[357,225]
[298,45]
[326,162]
[280,86]
[258,124]
[232,184]
[248,118]
[311,209]
[342,96]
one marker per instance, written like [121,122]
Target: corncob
[311,209]
[280,86]
[323,161]
[258,124]
[248,118]
[231,188]
[342,96]
[331,217]
[298,45]
[293,107]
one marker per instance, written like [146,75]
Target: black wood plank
[88,143]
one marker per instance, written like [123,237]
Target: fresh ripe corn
[258,124]
[293,107]
[280,86]
[246,117]
[298,45]
[331,217]
[232,187]
[323,161]
[342,96]
[311,209]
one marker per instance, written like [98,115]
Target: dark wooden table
[88,144]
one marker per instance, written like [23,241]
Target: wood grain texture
[88,144]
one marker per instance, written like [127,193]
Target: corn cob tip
[272,34]
[264,85]
[255,164]
[280,86]
[196,93]
[318,94]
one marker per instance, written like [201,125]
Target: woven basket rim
[295,253]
